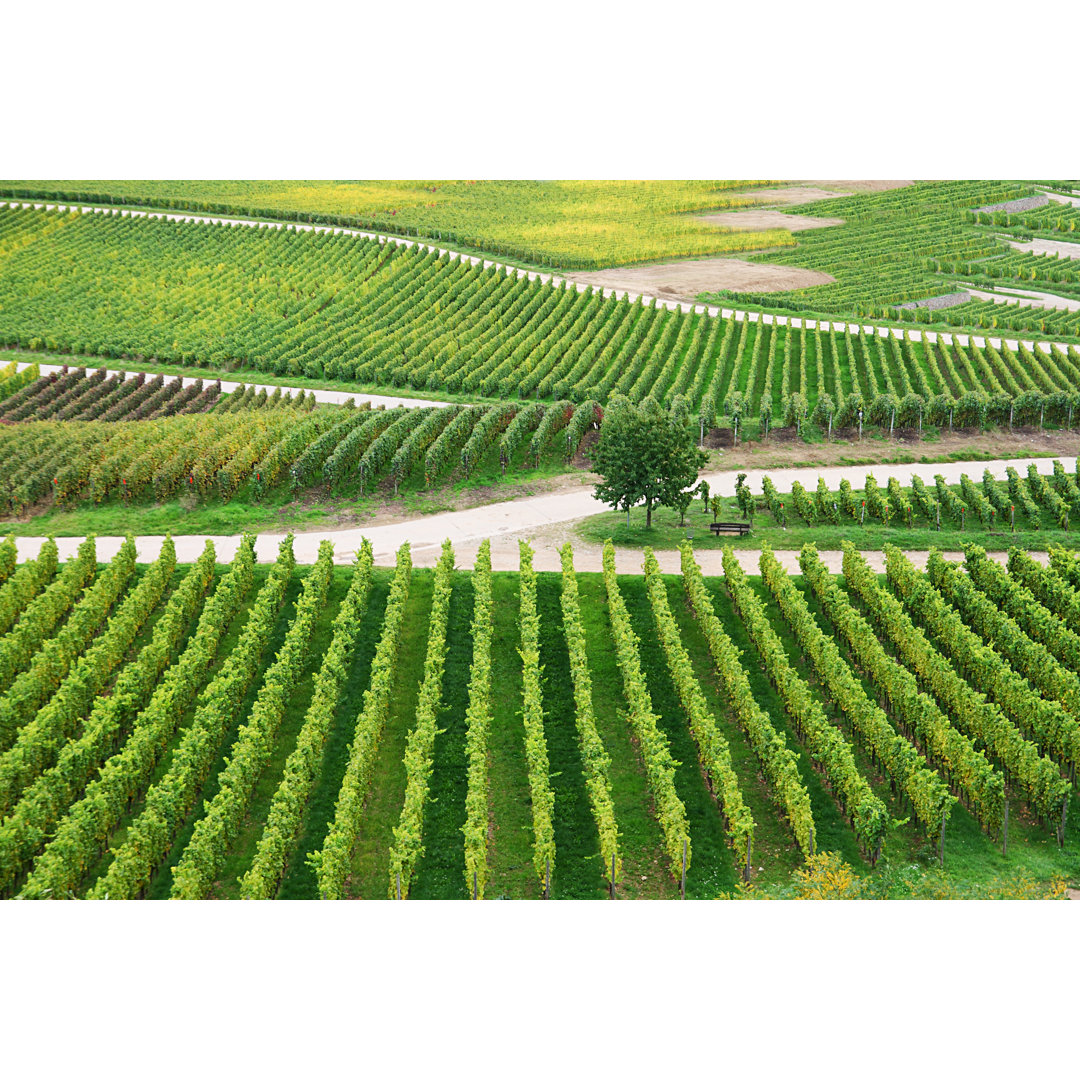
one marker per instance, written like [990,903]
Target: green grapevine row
[26,583]
[41,805]
[778,762]
[200,863]
[1018,602]
[478,723]
[43,614]
[56,721]
[536,753]
[52,662]
[1058,596]
[85,828]
[1023,669]
[1066,566]
[982,720]
[169,800]
[659,764]
[939,600]
[186,293]
[965,767]
[595,758]
[826,746]
[713,750]
[905,766]
[331,862]
[304,764]
[408,846]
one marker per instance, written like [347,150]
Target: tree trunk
[648,513]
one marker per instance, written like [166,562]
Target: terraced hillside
[351,309]
[899,250]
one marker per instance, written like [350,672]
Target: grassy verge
[666,532]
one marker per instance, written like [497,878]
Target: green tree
[645,454]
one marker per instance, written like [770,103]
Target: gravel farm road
[505,522]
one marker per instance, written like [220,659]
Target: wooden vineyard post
[682,887]
[1061,827]
[1005,830]
[941,846]
[812,847]
[612,883]
[474,884]
[399,884]
[749,853]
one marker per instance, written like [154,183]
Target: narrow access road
[518,518]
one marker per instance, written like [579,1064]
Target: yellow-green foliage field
[576,224]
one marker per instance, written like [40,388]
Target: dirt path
[1032,299]
[1047,247]
[506,522]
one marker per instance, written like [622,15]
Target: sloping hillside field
[326,731]
[357,311]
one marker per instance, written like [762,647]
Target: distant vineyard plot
[572,224]
[927,240]
[350,309]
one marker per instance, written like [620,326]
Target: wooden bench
[742,528]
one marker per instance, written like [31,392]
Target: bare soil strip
[1029,299]
[758,220]
[1048,247]
[685,280]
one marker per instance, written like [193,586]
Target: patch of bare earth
[792,195]
[687,280]
[758,220]
[852,186]
[1049,301]
[784,449]
[797,192]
